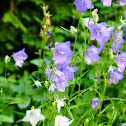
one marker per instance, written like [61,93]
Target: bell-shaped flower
[62,121]
[92,54]
[68,72]
[83,5]
[100,32]
[52,87]
[117,41]
[33,116]
[95,102]
[122,2]
[61,86]
[124,124]
[19,57]
[121,61]
[62,52]
[106,3]
[115,77]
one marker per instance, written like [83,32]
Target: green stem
[102,98]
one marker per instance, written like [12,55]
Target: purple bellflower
[118,40]
[124,124]
[115,77]
[95,102]
[122,2]
[92,54]
[100,32]
[83,5]
[121,61]
[106,3]
[48,33]
[62,52]
[68,73]
[19,57]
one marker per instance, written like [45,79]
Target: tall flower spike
[33,116]
[83,5]
[62,121]
[19,57]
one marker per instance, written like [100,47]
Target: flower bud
[46,84]
[7,59]
[73,30]
[86,122]
[94,12]
[96,18]
[53,104]
[38,84]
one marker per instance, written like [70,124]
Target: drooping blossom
[122,2]
[115,77]
[7,59]
[62,121]
[62,52]
[95,102]
[121,61]
[117,41]
[38,84]
[92,54]
[124,124]
[33,116]
[52,87]
[83,5]
[106,3]
[61,86]
[19,57]
[59,104]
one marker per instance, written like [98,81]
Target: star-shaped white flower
[62,121]
[33,116]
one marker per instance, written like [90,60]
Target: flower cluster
[99,32]
[61,72]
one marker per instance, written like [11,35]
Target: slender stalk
[102,98]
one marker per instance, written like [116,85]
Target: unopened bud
[46,84]
[86,122]
[95,11]
[53,104]
[38,84]
[73,30]
[96,18]
[7,59]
